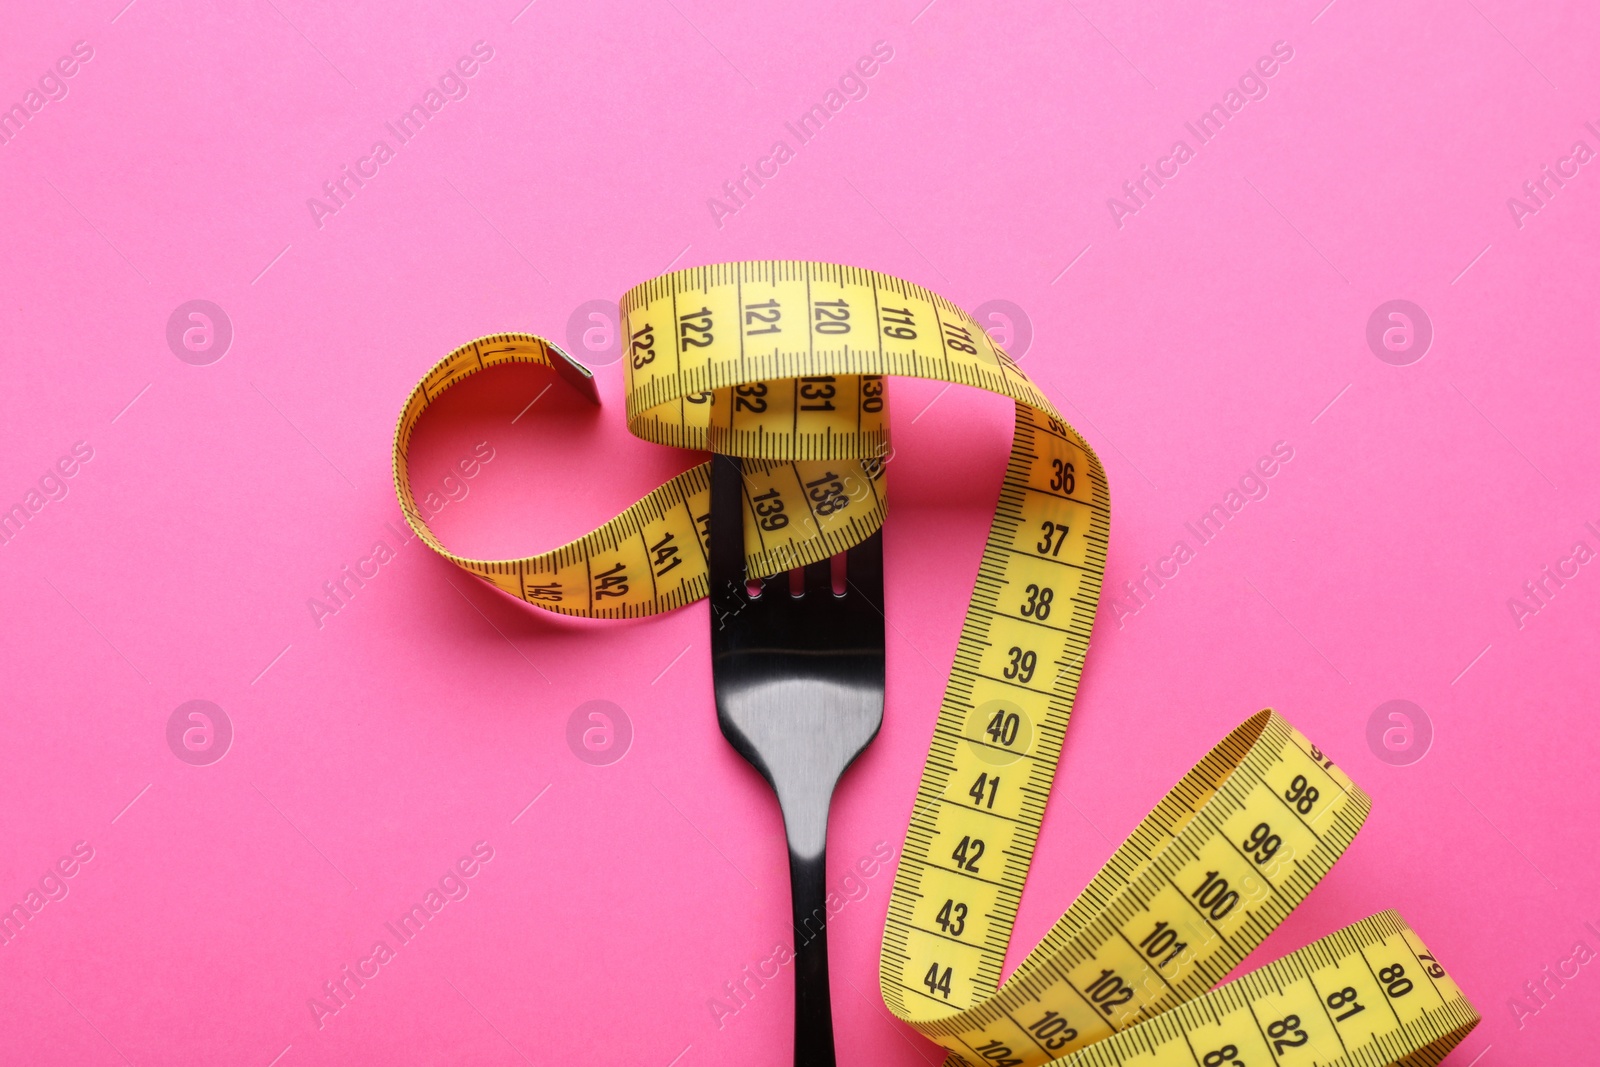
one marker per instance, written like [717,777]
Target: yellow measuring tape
[784,364]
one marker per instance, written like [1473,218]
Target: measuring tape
[784,364]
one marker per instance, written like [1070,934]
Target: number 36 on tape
[785,364]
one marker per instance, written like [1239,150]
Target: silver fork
[799,688]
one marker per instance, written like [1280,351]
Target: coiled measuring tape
[784,364]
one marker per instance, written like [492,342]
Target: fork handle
[813,1009]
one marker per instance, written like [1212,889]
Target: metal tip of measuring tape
[575,374]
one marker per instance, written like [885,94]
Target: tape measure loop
[785,364]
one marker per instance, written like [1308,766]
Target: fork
[799,690]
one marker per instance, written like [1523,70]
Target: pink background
[371,752]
